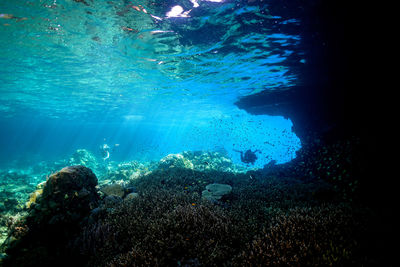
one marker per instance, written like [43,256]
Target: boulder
[216,191]
[68,195]
[114,189]
[67,200]
[112,200]
[131,196]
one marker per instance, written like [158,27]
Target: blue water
[149,76]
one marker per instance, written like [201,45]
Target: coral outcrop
[174,161]
[34,197]
[210,161]
[70,193]
[123,171]
[53,219]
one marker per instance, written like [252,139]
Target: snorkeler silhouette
[105,151]
[248,156]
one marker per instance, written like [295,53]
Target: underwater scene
[186,133]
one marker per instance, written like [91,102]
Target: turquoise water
[153,77]
[126,127]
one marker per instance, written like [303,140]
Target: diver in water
[248,156]
[105,151]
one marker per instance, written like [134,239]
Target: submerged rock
[216,191]
[34,197]
[131,196]
[112,200]
[68,197]
[114,189]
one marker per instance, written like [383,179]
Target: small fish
[11,16]
[135,7]
[155,17]
[159,31]
[82,1]
[129,29]
[6,16]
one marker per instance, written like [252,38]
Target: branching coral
[322,236]
[169,227]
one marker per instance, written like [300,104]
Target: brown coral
[163,228]
[321,236]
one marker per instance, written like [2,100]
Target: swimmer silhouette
[248,156]
[105,151]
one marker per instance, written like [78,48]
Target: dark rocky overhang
[333,97]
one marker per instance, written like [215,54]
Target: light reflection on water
[109,61]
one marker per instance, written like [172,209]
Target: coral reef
[123,171]
[15,186]
[172,161]
[169,224]
[306,237]
[85,158]
[207,160]
[158,214]
[166,228]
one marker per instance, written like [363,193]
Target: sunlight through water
[171,69]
